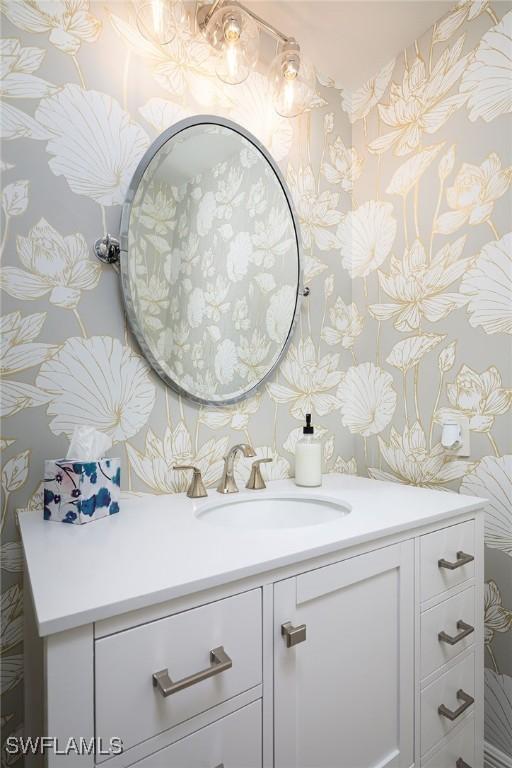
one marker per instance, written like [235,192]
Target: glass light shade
[292,78]
[156,20]
[235,36]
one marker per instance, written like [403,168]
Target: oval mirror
[210,260]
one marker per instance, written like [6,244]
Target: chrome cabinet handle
[462,559]
[293,635]
[220,661]
[453,714]
[461,764]
[466,629]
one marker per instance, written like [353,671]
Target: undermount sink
[275,511]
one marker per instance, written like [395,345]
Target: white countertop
[156,549]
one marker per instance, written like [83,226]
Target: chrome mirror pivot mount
[107,249]
[227,483]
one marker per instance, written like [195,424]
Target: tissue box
[81,491]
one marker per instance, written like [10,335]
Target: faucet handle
[256,481]
[196,489]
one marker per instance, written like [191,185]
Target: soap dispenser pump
[308,457]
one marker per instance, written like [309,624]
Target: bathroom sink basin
[273,511]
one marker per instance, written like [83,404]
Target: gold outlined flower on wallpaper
[366,236]
[154,466]
[492,480]
[496,617]
[99,382]
[358,104]
[17,81]
[411,462]
[237,416]
[310,382]
[406,354]
[421,104]
[94,143]
[473,194]
[18,352]
[487,81]
[346,324]
[478,396]
[68,21]
[488,287]
[345,167]
[418,287]
[367,399]
[498,710]
[317,212]
[60,266]
[464,10]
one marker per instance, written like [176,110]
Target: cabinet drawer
[446,545]
[455,618]
[130,706]
[443,691]
[459,746]
[233,742]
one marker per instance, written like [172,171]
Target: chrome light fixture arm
[205,13]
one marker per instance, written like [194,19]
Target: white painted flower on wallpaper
[11,557]
[158,210]
[488,287]
[226,361]
[411,170]
[251,106]
[464,10]
[478,396]
[317,212]
[18,352]
[94,143]
[238,257]
[421,104]
[498,710]
[418,287]
[346,324]
[474,193]
[59,265]
[280,312]
[496,617]
[15,198]
[406,354]
[162,113]
[154,466]
[345,166]
[252,355]
[367,399]
[359,103]
[68,21]
[97,382]
[411,462]
[492,480]
[310,382]
[235,416]
[367,236]
[153,297]
[11,607]
[17,81]
[278,468]
[487,82]
[273,237]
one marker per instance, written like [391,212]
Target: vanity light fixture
[233,31]
[155,20]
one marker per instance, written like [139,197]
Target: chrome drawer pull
[293,635]
[453,714]
[220,661]
[461,764]
[466,629]
[462,559]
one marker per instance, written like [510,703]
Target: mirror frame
[148,156]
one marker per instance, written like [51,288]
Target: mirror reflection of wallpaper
[84,95]
[429,246]
[213,262]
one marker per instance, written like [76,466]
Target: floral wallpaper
[429,247]
[213,265]
[83,97]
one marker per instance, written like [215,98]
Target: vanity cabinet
[344,694]
[360,656]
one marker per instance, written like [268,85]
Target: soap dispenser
[308,457]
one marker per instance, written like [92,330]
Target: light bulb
[235,35]
[292,79]
[158,16]
[156,21]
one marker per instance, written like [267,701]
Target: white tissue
[87,444]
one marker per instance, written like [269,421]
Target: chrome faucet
[227,483]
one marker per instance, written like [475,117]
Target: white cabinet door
[344,696]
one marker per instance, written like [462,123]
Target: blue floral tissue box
[81,491]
